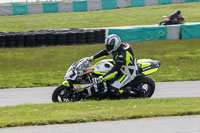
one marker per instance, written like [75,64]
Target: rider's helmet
[112,43]
[179,11]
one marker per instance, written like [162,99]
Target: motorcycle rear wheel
[145,86]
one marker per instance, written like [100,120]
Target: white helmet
[112,43]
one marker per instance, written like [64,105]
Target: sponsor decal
[89,70]
[78,87]
[80,73]
[147,68]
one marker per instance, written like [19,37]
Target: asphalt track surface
[38,95]
[184,124]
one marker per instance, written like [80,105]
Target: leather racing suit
[124,69]
[175,16]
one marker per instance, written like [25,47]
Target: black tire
[57,93]
[164,22]
[89,35]
[2,41]
[40,38]
[71,38]
[29,40]
[19,39]
[97,36]
[61,38]
[80,37]
[90,41]
[65,94]
[10,40]
[50,38]
[145,86]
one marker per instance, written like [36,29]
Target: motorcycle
[167,21]
[78,83]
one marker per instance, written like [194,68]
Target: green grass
[43,114]
[46,66]
[104,18]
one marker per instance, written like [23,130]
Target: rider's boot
[114,92]
[126,92]
[100,87]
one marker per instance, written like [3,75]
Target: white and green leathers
[124,69]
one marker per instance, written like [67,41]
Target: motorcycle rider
[124,69]
[175,16]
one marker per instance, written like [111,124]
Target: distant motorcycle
[168,20]
[78,83]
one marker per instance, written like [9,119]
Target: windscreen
[83,64]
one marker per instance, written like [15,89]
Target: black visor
[109,47]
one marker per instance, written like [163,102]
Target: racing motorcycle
[167,21]
[78,83]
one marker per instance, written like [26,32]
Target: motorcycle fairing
[66,83]
[102,67]
[148,66]
[166,17]
[81,87]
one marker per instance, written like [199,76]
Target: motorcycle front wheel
[164,22]
[62,94]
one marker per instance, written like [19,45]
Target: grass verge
[104,18]
[87,111]
[46,66]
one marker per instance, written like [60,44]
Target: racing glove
[101,79]
[98,80]
[90,59]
